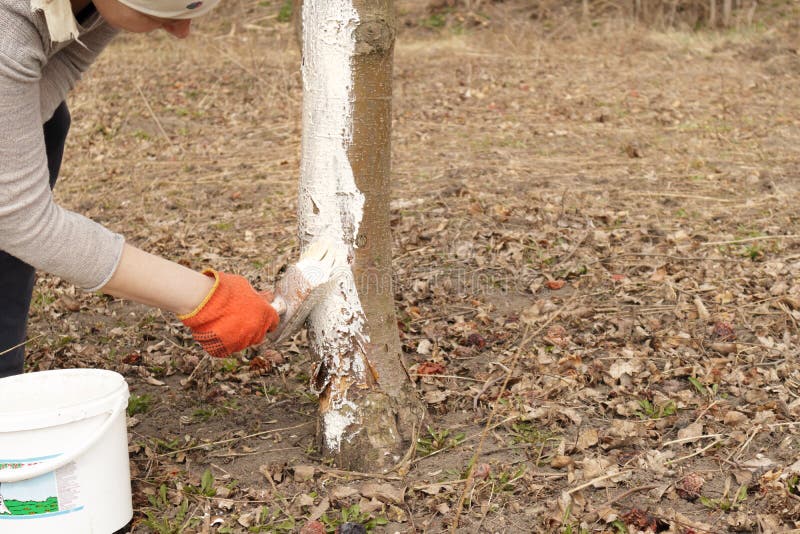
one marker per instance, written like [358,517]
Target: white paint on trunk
[329,204]
[336,423]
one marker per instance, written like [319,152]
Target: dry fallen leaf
[689,486]
[555,284]
[424,346]
[588,438]
[733,418]
[693,430]
[313,527]
[559,461]
[435,396]
[724,331]
[430,368]
[482,471]
[624,367]
[641,520]
[557,335]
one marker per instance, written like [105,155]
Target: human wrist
[198,293]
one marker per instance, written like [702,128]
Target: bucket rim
[61,414]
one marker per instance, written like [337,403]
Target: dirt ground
[597,268]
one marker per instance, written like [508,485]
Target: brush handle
[279,304]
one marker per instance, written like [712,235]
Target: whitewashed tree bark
[369,411]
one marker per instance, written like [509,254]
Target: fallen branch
[667,256]
[468,438]
[598,479]
[687,440]
[683,195]
[696,453]
[455,377]
[155,118]
[222,442]
[628,493]
[355,474]
[18,345]
[750,240]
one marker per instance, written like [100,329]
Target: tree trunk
[712,13]
[369,411]
[727,10]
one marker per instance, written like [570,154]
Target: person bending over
[45,46]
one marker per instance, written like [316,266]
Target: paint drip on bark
[330,204]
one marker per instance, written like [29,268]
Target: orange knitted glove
[232,317]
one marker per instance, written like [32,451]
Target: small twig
[401,468]
[746,444]
[574,249]
[455,377]
[750,240]
[222,442]
[190,517]
[199,496]
[628,493]
[234,454]
[486,510]
[785,310]
[685,440]
[279,494]
[668,256]
[705,410]
[696,453]
[18,345]
[546,475]
[500,365]
[597,479]
[437,484]
[341,473]
[206,358]
[682,195]
[468,438]
[155,118]
[486,385]
[179,347]
[789,423]
[224,471]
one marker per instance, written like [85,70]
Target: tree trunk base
[385,437]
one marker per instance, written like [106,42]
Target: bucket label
[54,493]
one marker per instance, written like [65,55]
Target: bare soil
[597,269]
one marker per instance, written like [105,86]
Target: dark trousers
[16,276]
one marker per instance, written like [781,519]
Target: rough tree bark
[369,410]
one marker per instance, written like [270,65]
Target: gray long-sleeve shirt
[35,77]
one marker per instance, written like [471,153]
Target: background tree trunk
[369,411]
[727,10]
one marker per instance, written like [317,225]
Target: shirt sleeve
[32,226]
[65,68]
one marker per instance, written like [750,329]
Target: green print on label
[30,507]
[32,497]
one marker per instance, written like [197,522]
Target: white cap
[172,9]
[62,26]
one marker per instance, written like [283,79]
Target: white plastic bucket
[64,453]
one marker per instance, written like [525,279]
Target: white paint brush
[305,284]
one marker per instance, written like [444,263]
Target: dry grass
[659,14]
